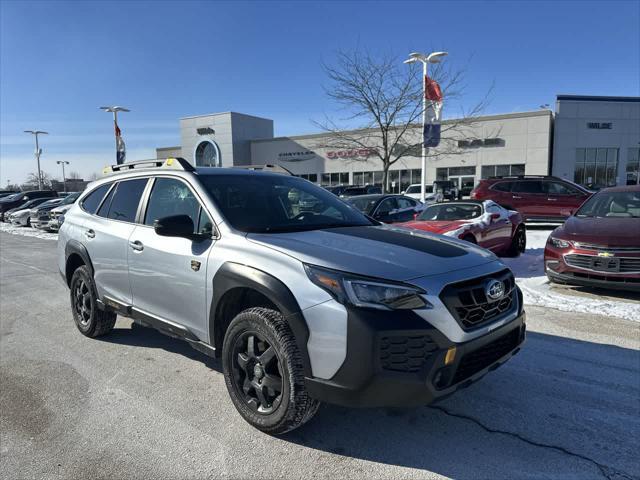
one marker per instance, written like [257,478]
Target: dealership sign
[600,125]
[352,153]
[298,156]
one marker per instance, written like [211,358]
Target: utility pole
[38,151]
[64,178]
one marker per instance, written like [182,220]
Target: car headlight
[559,243]
[369,293]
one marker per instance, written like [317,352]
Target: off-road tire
[518,242]
[295,406]
[90,320]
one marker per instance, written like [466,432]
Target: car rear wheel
[90,320]
[518,242]
[263,372]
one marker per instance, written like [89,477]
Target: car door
[382,213]
[562,198]
[168,274]
[406,210]
[497,233]
[106,236]
[528,198]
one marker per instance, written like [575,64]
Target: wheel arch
[237,287]
[76,255]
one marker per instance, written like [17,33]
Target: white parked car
[414,191]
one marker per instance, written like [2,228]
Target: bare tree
[32,181]
[73,175]
[93,176]
[385,97]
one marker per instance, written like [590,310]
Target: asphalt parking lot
[136,404]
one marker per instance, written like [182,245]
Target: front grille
[604,264]
[605,248]
[473,362]
[405,353]
[468,302]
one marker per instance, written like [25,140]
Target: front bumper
[558,269]
[404,366]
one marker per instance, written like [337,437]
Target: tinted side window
[531,186]
[406,203]
[171,197]
[103,211]
[124,203]
[502,186]
[558,188]
[91,201]
[386,206]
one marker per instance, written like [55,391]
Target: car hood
[378,251]
[435,226]
[19,213]
[609,231]
[61,209]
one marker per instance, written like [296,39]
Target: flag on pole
[433,94]
[121,151]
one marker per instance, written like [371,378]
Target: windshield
[612,204]
[278,203]
[69,199]
[364,203]
[449,212]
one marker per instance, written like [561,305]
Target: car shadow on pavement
[561,407]
[139,336]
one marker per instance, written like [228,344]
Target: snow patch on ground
[529,271]
[27,231]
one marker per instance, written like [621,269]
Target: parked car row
[41,209]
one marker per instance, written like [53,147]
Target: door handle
[137,245]
[90,233]
[516,197]
[552,199]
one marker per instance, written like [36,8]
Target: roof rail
[177,163]
[267,167]
[498,177]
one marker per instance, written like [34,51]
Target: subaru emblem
[494,289]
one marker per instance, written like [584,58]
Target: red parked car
[600,244]
[486,224]
[537,198]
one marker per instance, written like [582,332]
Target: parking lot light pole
[64,178]
[115,109]
[38,151]
[434,57]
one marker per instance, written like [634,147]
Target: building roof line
[230,112]
[597,98]
[533,113]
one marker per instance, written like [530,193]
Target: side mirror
[175,226]
[403,192]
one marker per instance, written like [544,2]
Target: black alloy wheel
[256,372]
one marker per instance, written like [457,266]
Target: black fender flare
[75,247]
[235,275]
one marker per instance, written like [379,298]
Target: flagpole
[423,182]
[115,127]
[433,57]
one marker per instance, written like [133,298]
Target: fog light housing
[450,356]
[552,265]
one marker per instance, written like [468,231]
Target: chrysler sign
[298,156]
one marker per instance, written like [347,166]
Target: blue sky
[59,61]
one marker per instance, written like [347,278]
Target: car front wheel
[90,320]
[263,372]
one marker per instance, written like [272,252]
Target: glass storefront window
[596,167]
[633,166]
[502,170]
[326,179]
[344,178]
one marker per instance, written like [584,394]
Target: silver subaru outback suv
[304,302]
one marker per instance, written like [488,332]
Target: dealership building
[593,141]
